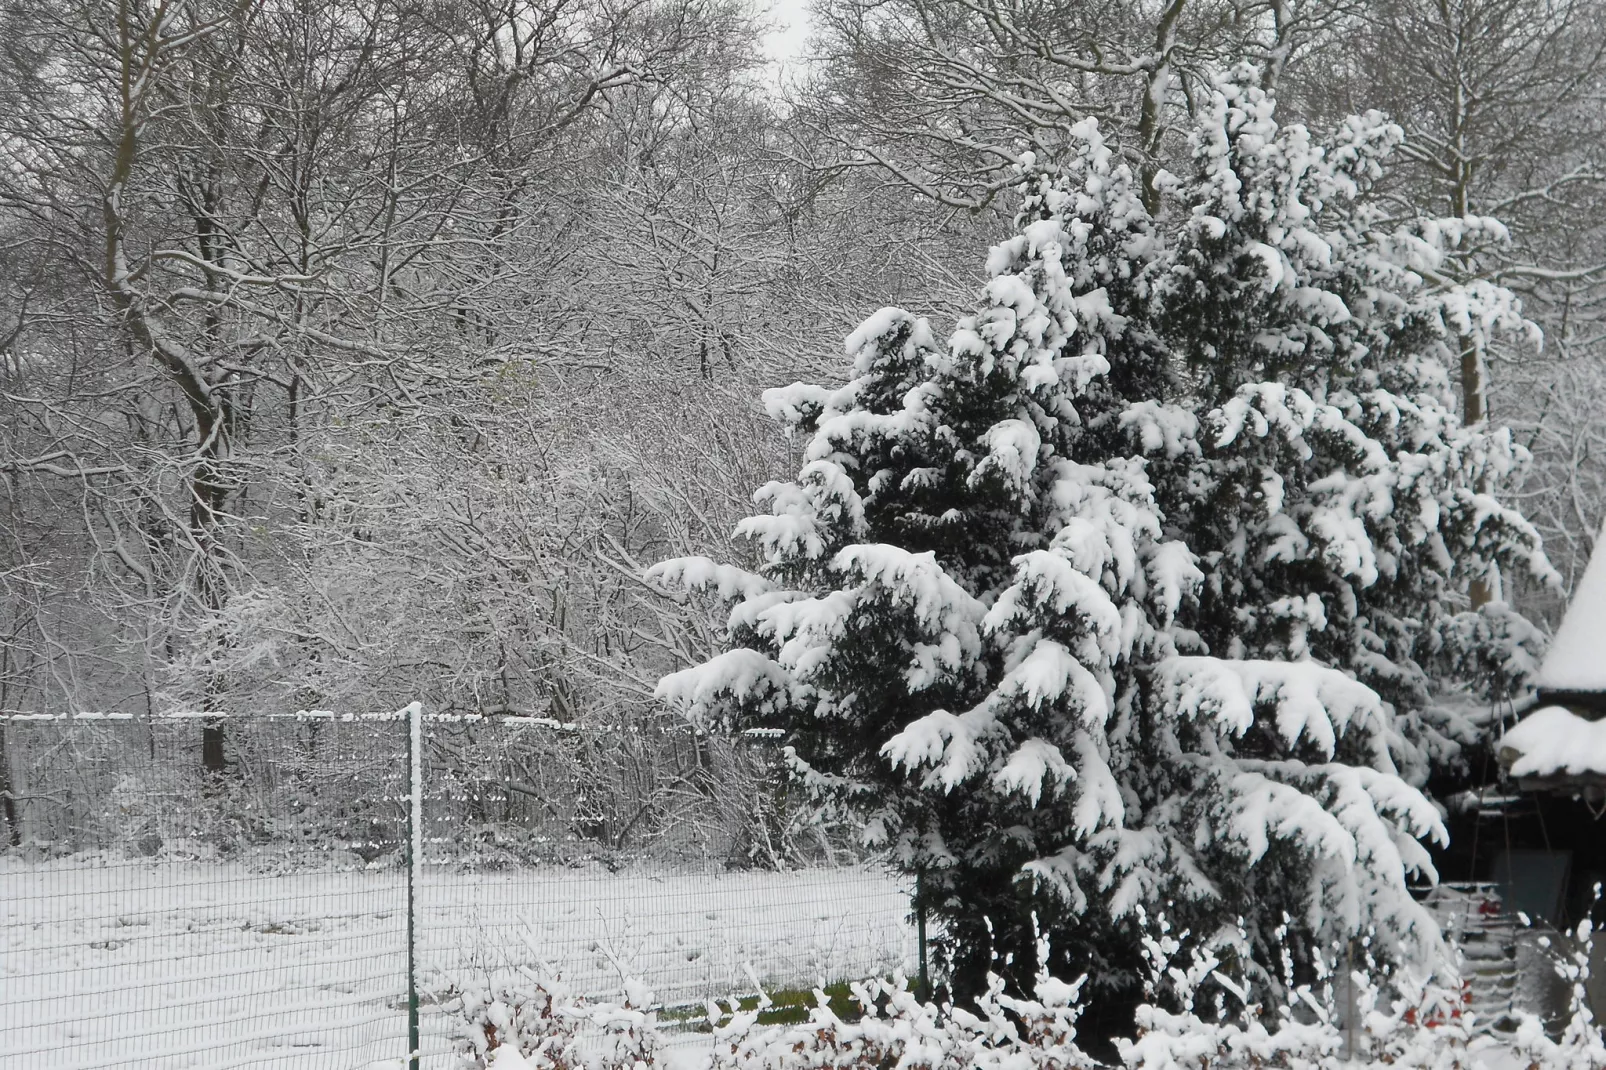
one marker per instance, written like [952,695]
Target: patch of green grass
[788,1006]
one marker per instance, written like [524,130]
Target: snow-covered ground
[209,965]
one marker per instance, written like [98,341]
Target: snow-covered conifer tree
[997,610]
[1338,504]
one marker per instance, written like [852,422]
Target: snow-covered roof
[1577,659]
[1553,741]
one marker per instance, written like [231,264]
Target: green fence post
[415,851]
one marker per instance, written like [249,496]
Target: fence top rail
[18,716]
[552,723]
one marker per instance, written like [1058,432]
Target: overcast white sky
[792,21]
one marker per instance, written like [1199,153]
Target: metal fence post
[920,932]
[1352,1003]
[415,853]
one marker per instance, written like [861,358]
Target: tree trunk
[1155,88]
[212,757]
[1481,590]
[8,799]
[206,392]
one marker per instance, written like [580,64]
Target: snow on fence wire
[155,912]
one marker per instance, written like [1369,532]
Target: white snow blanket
[1554,741]
[1577,658]
[203,966]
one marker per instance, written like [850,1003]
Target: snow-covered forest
[1113,455]
[361,352]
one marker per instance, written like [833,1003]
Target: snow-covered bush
[548,1026]
[1203,1011]
[998,1031]
[1198,1012]
[1580,1046]
[1128,591]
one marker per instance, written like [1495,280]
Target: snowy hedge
[1197,1013]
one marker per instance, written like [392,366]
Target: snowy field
[205,965]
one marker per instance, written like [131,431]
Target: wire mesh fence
[206,892]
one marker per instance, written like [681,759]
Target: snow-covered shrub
[550,1027]
[1414,1020]
[1580,1046]
[998,1031]
[1175,1032]
[1375,1017]
[1198,1012]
